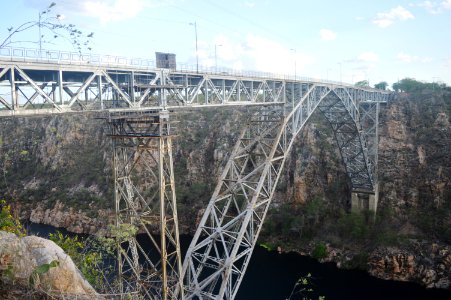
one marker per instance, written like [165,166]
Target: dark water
[272,276]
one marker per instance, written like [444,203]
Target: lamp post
[327,74]
[197,53]
[295,60]
[216,58]
[40,36]
[341,81]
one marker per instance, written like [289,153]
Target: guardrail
[75,58]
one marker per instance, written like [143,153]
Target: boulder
[21,257]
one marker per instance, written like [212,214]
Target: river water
[272,276]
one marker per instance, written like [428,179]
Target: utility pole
[295,60]
[40,36]
[216,58]
[197,52]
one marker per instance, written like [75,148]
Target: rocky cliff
[57,171]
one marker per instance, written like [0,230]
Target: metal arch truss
[223,243]
[142,151]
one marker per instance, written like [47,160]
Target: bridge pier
[365,200]
[142,156]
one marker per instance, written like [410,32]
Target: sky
[347,40]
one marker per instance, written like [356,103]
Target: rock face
[422,262]
[58,171]
[71,219]
[21,256]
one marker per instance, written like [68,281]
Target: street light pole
[295,60]
[341,81]
[216,58]
[197,52]
[40,36]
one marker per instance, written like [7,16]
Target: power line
[248,20]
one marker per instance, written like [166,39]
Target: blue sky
[345,40]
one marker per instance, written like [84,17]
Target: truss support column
[206,100]
[142,149]
[238,91]
[100,88]
[60,86]
[132,88]
[164,256]
[86,95]
[163,100]
[171,261]
[375,202]
[223,91]
[14,95]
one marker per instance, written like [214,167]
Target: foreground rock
[20,258]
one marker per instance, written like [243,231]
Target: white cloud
[446,4]
[407,58]
[368,57]
[327,35]
[434,7]
[398,13]
[270,56]
[113,10]
[257,53]
[249,4]
[404,57]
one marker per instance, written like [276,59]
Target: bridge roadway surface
[138,96]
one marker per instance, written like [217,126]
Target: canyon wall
[57,170]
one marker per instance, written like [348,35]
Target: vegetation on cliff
[50,165]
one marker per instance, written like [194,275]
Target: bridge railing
[83,59]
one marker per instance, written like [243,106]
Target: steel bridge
[139,99]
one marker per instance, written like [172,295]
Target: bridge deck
[60,82]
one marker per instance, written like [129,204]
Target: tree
[407,85]
[363,83]
[410,85]
[50,27]
[381,85]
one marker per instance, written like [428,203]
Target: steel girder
[223,243]
[142,151]
[55,91]
[53,88]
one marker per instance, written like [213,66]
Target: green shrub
[320,251]
[8,222]
[88,255]
[353,226]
